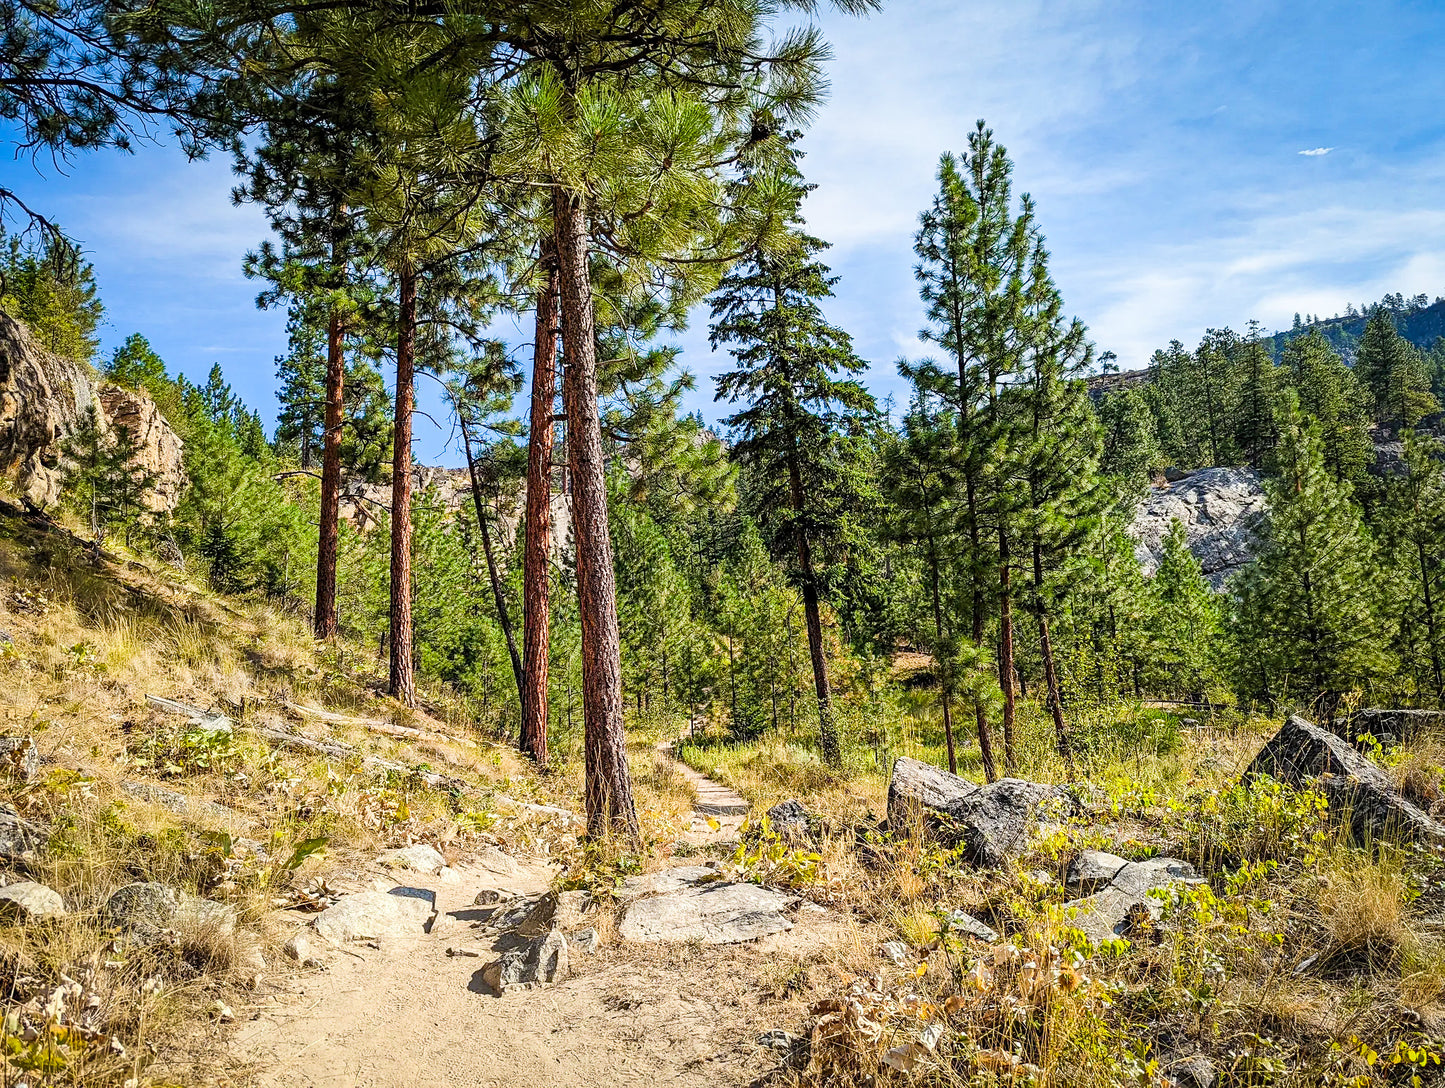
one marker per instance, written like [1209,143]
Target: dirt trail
[409,1014]
[714,802]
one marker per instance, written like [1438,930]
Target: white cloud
[1315,151]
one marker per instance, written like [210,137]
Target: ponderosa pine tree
[802,413]
[1393,373]
[1259,384]
[1181,622]
[1057,458]
[536,573]
[917,489]
[135,364]
[1130,441]
[1329,392]
[1305,608]
[1413,563]
[104,477]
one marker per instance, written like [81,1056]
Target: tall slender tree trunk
[328,536]
[1052,695]
[980,712]
[494,575]
[827,725]
[536,576]
[1430,619]
[403,669]
[610,805]
[945,680]
[1006,650]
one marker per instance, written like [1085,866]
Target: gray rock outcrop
[992,822]
[44,398]
[1303,754]
[1222,510]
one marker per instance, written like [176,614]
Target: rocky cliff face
[43,399]
[1222,510]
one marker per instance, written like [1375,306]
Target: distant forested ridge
[1418,320]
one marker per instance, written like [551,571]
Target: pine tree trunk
[610,805]
[1006,652]
[1430,620]
[1052,694]
[493,574]
[403,669]
[980,712]
[945,681]
[328,534]
[536,576]
[827,726]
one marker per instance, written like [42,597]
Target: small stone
[790,821]
[26,900]
[250,960]
[555,908]
[897,952]
[20,757]
[1195,1072]
[222,1013]
[543,960]
[470,953]
[301,950]
[20,840]
[420,858]
[777,1039]
[961,922]
[587,940]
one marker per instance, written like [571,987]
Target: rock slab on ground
[713,913]
[374,915]
[992,822]
[27,900]
[1121,903]
[419,858]
[1303,754]
[145,910]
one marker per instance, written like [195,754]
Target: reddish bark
[328,533]
[403,670]
[610,805]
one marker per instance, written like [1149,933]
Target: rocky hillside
[44,398]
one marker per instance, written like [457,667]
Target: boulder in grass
[1122,904]
[1304,755]
[26,901]
[145,911]
[20,840]
[790,822]
[991,822]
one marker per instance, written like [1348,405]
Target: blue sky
[1162,142]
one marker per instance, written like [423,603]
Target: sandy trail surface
[414,1012]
